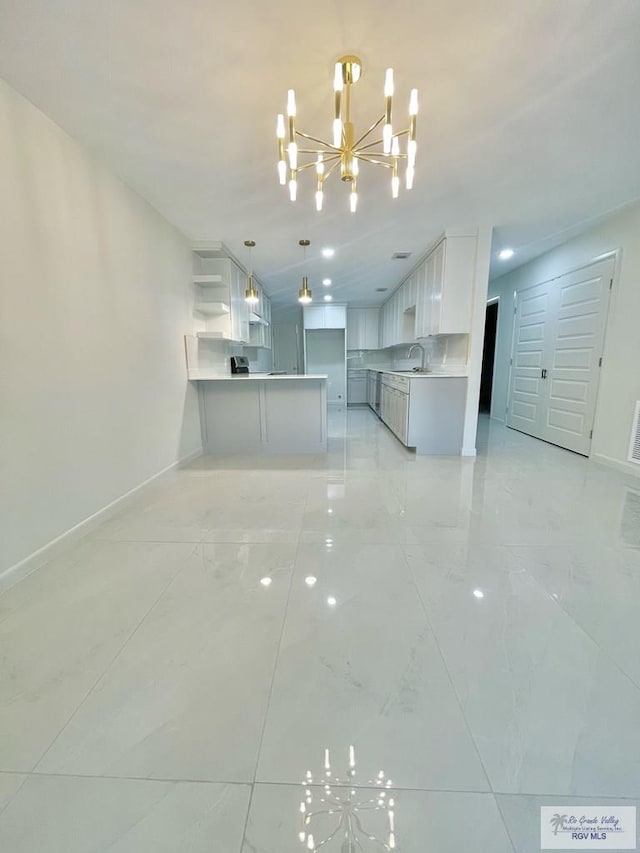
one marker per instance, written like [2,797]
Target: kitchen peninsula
[262,413]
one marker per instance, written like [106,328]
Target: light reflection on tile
[426,821]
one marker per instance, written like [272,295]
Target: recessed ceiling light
[478,593]
[326,282]
[331,601]
[505,254]
[310,580]
[328,252]
[328,297]
[265,581]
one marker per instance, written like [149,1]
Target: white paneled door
[557,351]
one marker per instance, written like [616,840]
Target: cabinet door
[354,328]
[435,287]
[370,336]
[239,315]
[313,317]
[335,317]
[459,255]
[403,417]
[420,301]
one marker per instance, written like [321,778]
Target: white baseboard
[9,577]
[610,462]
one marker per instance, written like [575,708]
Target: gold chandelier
[347,150]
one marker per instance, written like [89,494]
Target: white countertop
[210,376]
[433,374]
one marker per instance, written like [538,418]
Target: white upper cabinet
[445,293]
[324,317]
[362,328]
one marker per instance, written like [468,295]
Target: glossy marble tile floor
[470,626]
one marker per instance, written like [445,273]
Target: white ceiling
[529,117]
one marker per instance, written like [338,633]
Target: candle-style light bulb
[409,179]
[412,146]
[291,103]
[388,83]
[387,133]
[337,132]
[292,150]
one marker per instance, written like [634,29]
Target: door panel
[558,342]
[527,401]
[576,348]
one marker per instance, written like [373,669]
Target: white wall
[94,301]
[620,377]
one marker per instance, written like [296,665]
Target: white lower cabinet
[371,389]
[356,387]
[394,404]
[425,412]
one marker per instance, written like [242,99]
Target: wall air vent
[634,444]
[400,256]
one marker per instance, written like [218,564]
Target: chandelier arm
[381,154]
[306,166]
[315,139]
[318,151]
[332,169]
[369,145]
[361,829]
[367,132]
[332,836]
[368,159]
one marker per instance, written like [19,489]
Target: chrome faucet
[423,356]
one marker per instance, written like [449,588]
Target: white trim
[468,451]
[10,576]
[495,300]
[610,462]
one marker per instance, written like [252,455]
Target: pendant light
[251,294]
[304,294]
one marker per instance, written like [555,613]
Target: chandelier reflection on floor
[346,811]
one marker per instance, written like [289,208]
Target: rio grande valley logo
[588,828]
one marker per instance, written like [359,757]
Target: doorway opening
[488,356]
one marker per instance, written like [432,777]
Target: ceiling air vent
[381,289]
[634,444]
[400,256]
